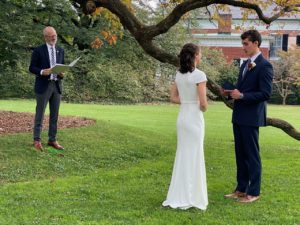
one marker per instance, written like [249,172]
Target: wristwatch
[241,95]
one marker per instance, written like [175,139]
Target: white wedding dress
[188,184]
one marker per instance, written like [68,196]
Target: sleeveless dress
[188,184]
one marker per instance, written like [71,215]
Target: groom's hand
[224,92]
[235,94]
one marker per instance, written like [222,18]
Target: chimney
[224,23]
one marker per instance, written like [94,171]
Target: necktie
[53,76]
[245,68]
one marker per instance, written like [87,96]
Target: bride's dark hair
[187,57]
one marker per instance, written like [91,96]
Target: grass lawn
[118,170]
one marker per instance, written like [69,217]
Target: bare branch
[145,35]
[257,9]
[146,6]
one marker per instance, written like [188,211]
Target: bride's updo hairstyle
[187,57]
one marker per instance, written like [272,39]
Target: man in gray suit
[47,87]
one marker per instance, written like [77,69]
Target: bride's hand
[203,108]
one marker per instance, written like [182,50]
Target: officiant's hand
[61,74]
[46,72]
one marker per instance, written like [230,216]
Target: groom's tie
[246,68]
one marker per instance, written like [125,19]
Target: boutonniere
[251,65]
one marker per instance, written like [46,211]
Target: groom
[253,89]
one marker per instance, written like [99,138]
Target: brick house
[283,33]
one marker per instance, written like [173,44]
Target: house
[224,34]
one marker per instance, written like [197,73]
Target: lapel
[46,53]
[248,73]
[57,54]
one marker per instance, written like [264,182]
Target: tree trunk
[284,100]
[145,35]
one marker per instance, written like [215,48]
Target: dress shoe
[248,199]
[38,146]
[235,195]
[55,145]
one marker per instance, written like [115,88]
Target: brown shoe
[248,199]
[235,195]
[55,145]
[38,146]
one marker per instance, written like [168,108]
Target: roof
[236,13]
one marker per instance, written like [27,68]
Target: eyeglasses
[51,36]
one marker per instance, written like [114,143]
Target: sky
[152,3]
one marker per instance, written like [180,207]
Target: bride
[188,184]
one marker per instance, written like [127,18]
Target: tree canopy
[93,28]
[145,34]
[287,72]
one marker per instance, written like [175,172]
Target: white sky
[153,3]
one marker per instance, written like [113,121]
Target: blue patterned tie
[245,68]
[53,76]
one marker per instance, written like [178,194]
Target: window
[298,40]
[275,45]
[285,39]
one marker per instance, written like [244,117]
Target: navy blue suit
[39,61]
[46,90]
[249,113]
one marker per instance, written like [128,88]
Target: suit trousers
[52,96]
[247,159]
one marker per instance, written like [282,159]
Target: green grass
[118,170]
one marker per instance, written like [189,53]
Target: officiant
[47,87]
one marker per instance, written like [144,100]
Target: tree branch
[257,9]
[146,34]
[285,126]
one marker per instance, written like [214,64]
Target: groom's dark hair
[187,57]
[252,35]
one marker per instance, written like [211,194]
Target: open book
[58,68]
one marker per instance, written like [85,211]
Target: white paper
[59,68]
